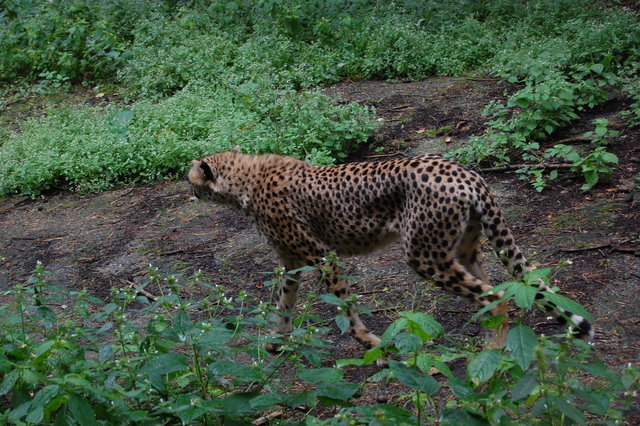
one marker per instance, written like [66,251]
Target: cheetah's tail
[512,257]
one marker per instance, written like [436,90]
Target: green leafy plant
[595,163]
[195,354]
[534,380]
[633,113]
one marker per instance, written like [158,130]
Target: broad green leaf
[524,387]
[340,391]
[242,373]
[567,409]
[598,368]
[500,287]
[460,389]
[609,157]
[297,399]
[313,355]
[572,156]
[482,366]
[46,315]
[54,405]
[163,364]
[598,403]
[567,304]
[332,299]
[343,323]
[236,405]
[597,68]
[105,352]
[521,342]
[407,342]
[426,361]
[524,296]
[600,131]
[372,355]
[522,102]
[458,417]
[262,402]
[537,274]
[19,412]
[422,325]
[303,269]
[42,398]
[396,327]
[591,178]
[181,324]
[415,379]
[489,307]
[385,414]
[81,410]
[492,322]
[317,375]
[189,407]
[8,382]
[349,361]
[214,337]
[44,347]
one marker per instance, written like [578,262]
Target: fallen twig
[613,246]
[483,78]
[360,293]
[527,165]
[573,139]
[393,154]
[17,203]
[265,419]
[141,291]
[579,249]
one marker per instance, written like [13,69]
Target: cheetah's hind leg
[469,255]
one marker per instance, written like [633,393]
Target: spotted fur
[436,207]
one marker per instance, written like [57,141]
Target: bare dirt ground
[109,239]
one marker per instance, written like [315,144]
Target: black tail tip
[583,330]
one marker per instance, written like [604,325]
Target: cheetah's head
[208,181]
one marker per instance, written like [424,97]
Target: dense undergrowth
[194,355]
[200,76]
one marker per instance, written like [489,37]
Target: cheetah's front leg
[288,295]
[332,276]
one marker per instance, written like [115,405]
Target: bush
[562,77]
[89,149]
[246,71]
[65,40]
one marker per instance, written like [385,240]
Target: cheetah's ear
[236,149]
[206,170]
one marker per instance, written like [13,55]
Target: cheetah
[436,207]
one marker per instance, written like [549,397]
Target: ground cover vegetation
[69,358]
[193,77]
[198,76]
